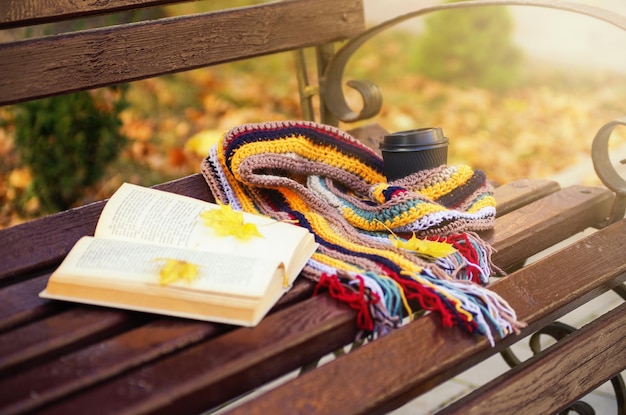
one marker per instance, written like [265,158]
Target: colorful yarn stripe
[333,185]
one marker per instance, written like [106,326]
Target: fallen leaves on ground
[535,130]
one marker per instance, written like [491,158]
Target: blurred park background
[520,91]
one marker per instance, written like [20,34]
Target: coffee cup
[407,152]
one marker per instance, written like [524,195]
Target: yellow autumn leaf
[20,178]
[176,270]
[227,222]
[202,142]
[426,247]
[432,249]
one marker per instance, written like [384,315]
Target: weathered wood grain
[547,221]
[67,63]
[15,13]
[213,372]
[513,195]
[564,373]
[33,342]
[19,303]
[38,386]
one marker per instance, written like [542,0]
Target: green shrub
[470,47]
[68,141]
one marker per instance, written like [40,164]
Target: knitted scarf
[385,248]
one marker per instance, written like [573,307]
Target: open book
[141,230]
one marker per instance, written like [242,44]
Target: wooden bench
[57,357]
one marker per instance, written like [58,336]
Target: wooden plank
[390,371]
[512,196]
[115,351]
[34,388]
[562,374]
[19,304]
[33,342]
[213,372]
[43,243]
[15,13]
[547,221]
[66,63]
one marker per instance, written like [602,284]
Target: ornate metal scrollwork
[558,331]
[605,169]
[331,80]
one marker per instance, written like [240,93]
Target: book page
[143,214]
[97,262]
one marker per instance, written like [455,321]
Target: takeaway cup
[407,152]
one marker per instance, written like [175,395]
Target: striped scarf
[385,247]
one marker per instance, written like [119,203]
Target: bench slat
[518,193]
[15,13]
[548,221]
[52,335]
[213,372]
[422,354]
[19,304]
[67,63]
[564,373]
[34,388]
[115,350]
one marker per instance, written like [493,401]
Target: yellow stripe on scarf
[486,201]
[458,178]
[298,144]
[320,227]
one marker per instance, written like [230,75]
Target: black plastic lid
[414,140]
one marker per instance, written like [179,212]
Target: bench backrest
[84,59]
